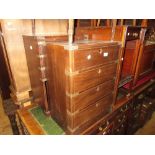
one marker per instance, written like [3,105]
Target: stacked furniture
[95,84]
[37,66]
[82,82]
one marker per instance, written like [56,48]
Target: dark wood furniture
[36,61]
[126,118]
[131,38]
[11,33]
[27,124]
[82,82]
[4,75]
[128,115]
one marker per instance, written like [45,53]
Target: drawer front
[91,78]
[108,130]
[84,59]
[90,96]
[100,108]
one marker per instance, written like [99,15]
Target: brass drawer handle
[150,103]
[105,54]
[42,68]
[100,128]
[135,34]
[41,56]
[89,57]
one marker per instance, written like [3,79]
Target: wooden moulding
[31,125]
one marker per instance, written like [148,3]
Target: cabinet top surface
[85,43]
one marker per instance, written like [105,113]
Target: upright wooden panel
[51,27]
[4,76]
[12,33]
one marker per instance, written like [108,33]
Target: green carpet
[49,126]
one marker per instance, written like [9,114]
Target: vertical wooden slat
[144,23]
[108,22]
[98,22]
[122,22]
[70,31]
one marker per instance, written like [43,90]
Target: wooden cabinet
[12,34]
[130,38]
[37,66]
[81,82]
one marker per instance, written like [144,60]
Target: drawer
[84,59]
[90,96]
[91,78]
[98,109]
[133,33]
[106,130]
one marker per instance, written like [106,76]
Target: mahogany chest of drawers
[81,79]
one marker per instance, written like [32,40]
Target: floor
[148,128]
[5,128]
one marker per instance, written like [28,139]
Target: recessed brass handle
[105,54]
[100,128]
[150,103]
[89,57]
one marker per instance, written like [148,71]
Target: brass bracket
[71,73]
[72,95]
[41,56]
[43,80]
[71,47]
[116,61]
